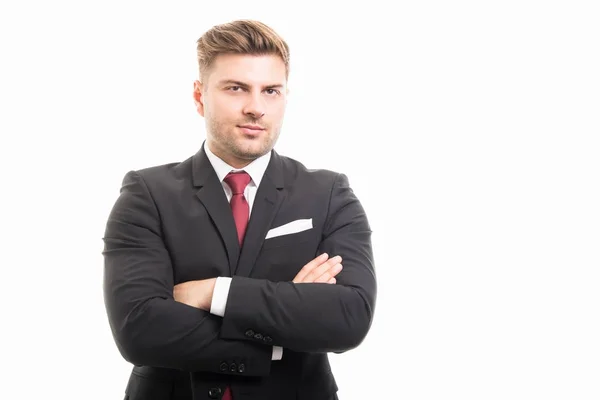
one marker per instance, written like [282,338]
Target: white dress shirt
[256,169]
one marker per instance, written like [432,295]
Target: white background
[468,129]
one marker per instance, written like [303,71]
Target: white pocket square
[296,226]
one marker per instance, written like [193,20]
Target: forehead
[250,69]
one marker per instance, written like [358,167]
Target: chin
[254,150]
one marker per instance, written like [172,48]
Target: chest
[200,244]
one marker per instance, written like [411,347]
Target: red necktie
[238,181]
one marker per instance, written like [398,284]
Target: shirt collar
[256,169]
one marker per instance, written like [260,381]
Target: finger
[321,269]
[331,281]
[310,266]
[330,273]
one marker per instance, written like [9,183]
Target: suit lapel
[213,198]
[269,198]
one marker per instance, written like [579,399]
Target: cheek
[226,109]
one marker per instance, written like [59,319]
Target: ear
[198,99]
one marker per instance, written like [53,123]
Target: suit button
[268,339]
[241,368]
[214,393]
[258,336]
[249,333]
[233,367]
[223,366]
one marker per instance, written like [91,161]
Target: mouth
[251,129]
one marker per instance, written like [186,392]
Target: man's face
[242,99]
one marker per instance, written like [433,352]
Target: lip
[252,127]
[251,130]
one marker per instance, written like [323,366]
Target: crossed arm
[152,321]
[199,293]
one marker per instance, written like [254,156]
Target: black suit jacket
[172,223]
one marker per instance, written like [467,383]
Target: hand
[320,270]
[195,293]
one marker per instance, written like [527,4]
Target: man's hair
[240,37]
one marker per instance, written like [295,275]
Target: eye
[272,91]
[234,88]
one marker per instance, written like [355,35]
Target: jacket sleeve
[149,327]
[313,317]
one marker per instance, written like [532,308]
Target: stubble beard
[230,142]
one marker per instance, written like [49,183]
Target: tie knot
[237,181]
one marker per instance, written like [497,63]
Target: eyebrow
[245,85]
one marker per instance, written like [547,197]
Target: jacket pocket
[289,239]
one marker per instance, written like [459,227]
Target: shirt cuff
[277,353]
[220,293]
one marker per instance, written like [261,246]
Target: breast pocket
[282,257]
[289,239]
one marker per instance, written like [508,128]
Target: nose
[255,107]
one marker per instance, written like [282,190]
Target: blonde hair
[240,37]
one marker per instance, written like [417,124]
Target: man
[223,273]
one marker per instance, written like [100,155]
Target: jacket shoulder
[164,171]
[300,171]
